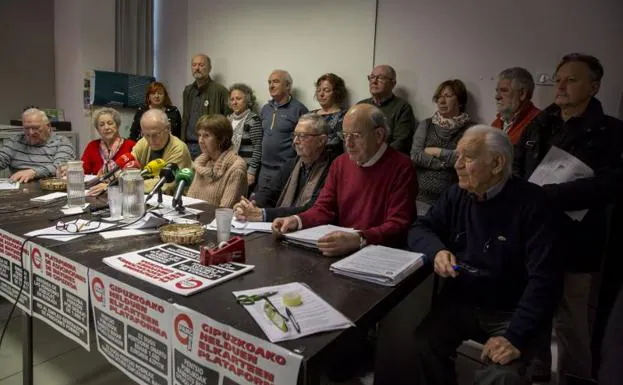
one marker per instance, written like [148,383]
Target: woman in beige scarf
[220,174]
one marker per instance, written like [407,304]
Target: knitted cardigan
[221,182]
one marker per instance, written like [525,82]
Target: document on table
[244,228]
[84,225]
[309,237]
[314,314]
[171,213]
[49,197]
[8,184]
[167,201]
[558,166]
[379,264]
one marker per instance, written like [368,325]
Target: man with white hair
[279,117]
[37,152]
[496,241]
[513,100]
[204,96]
[157,142]
[370,188]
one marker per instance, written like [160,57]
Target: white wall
[27,64]
[426,41]
[247,39]
[431,41]
[84,40]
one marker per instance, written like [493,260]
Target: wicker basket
[182,234]
[53,184]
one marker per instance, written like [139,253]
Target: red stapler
[232,251]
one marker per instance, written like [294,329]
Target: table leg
[27,357]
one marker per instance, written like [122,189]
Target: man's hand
[500,351]
[97,189]
[444,264]
[285,225]
[433,151]
[24,176]
[250,179]
[246,210]
[339,243]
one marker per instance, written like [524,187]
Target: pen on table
[296,325]
[81,226]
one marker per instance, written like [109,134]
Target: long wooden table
[275,263]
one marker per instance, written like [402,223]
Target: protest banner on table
[209,352]
[13,269]
[175,268]
[132,329]
[60,293]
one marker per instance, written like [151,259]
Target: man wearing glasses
[398,111]
[37,152]
[370,188]
[299,181]
[157,142]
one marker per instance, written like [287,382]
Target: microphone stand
[179,206]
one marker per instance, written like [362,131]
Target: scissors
[245,299]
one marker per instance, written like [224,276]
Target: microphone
[119,164]
[167,175]
[184,177]
[153,168]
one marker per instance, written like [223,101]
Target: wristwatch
[362,240]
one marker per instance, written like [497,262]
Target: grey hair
[520,79]
[247,91]
[159,115]
[392,71]
[497,142]
[116,116]
[206,57]
[36,111]
[286,76]
[316,121]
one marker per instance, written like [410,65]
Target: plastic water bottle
[75,184]
[133,192]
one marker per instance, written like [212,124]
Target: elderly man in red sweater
[371,188]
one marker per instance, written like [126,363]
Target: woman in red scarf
[100,155]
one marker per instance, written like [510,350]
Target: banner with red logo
[209,352]
[60,294]
[132,329]
[14,270]
[175,268]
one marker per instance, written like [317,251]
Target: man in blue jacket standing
[495,239]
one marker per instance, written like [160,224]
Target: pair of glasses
[296,135]
[77,225]
[380,78]
[344,136]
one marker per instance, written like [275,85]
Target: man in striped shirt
[37,152]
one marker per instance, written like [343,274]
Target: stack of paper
[49,197]
[313,315]
[309,237]
[379,264]
[244,228]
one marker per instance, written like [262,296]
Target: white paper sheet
[126,233]
[314,315]
[167,201]
[63,235]
[558,166]
[8,184]
[49,197]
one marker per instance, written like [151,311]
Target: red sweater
[521,119]
[379,200]
[92,160]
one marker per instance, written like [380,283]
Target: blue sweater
[512,239]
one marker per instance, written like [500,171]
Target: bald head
[155,128]
[365,131]
[280,85]
[382,81]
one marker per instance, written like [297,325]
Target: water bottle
[132,190]
[75,184]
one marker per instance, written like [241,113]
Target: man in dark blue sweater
[495,239]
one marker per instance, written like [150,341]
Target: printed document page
[313,315]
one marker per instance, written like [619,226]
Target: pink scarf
[108,154]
